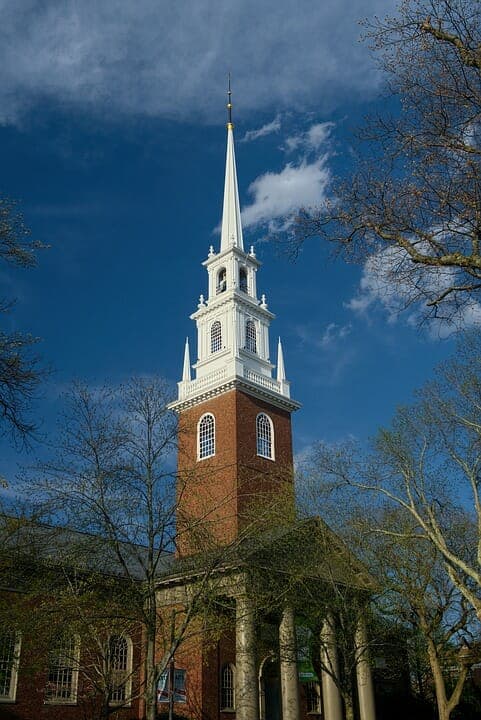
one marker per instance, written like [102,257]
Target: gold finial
[230,124]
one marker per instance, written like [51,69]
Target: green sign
[305,669]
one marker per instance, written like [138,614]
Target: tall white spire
[233,350]
[281,371]
[186,377]
[231,234]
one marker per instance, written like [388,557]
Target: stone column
[331,697]
[365,689]
[246,686]
[288,666]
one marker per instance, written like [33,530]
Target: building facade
[235,462]
[235,459]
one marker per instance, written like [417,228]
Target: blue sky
[112,136]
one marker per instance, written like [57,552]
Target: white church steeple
[232,323]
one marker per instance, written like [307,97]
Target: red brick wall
[220,490]
[29,703]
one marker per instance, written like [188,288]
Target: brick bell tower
[235,444]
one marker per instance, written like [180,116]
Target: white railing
[204,383]
[262,380]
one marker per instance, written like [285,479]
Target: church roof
[27,541]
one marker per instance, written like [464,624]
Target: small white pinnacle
[201,302]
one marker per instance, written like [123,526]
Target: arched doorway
[270,689]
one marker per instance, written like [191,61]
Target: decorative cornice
[230,296]
[242,254]
[236,383]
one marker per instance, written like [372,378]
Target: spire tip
[230,124]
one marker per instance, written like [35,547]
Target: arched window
[227,688]
[251,336]
[206,436]
[221,281]
[120,667]
[265,436]
[216,337]
[243,279]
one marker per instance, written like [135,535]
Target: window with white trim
[221,284]
[265,436]
[206,436]
[227,688]
[251,336]
[312,690]
[120,667]
[62,678]
[9,659]
[243,279]
[216,337]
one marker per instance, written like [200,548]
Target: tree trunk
[105,707]
[439,685]
[348,706]
[150,676]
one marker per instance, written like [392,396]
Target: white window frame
[201,456]
[127,673]
[218,338]
[249,338]
[271,439]
[13,664]
[221,285]
[74,665]
[228,668]
[243,274]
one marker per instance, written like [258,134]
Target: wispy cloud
[164,59]
[333,355]
[333,333]
[273,127]
[392,283]
[310,140]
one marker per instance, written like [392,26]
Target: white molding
[272,456]
[236,383]
[205,457]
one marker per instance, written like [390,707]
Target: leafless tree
[20,369]
[417,596]
[428,464]
[111,478]
[412,208]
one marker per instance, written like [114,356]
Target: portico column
[331,696]
[288,666]
[365,689]
[246,686]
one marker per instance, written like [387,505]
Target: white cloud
[392,282]
[272,127]
[171,59]
[312,139]
[276,196]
